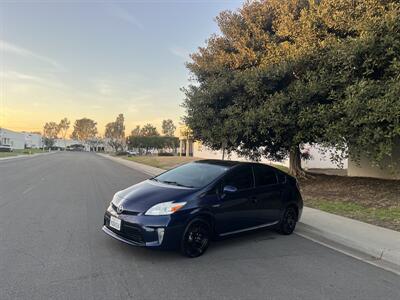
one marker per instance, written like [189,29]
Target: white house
[15,140]
[33,140]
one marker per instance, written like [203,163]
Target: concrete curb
[377,242]
[364,241]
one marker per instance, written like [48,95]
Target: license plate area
[115,223]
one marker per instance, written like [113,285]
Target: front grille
[129,231]
[126,212]
[133,233]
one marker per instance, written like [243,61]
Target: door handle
[254,199]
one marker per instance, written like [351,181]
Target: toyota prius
[188,206]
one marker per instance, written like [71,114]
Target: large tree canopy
[285,73]
[84,129]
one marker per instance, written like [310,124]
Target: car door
[267,194]
[235,211]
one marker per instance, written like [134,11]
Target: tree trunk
[223,150]
[295,163]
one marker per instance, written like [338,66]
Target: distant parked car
[188,206]
[6,148]
[132,153]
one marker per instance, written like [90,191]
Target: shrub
[165,154]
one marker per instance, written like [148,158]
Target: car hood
[140,197]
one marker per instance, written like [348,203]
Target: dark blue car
[184,208]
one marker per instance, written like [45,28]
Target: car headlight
[165,208]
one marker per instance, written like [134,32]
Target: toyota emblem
[120,209]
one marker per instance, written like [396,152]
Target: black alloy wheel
[196,238]
[288,221]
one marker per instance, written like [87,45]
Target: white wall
[14,139]
[366,169]
[318,161]
[33,140]
[320,158]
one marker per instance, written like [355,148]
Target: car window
[241,178]
[264,175]
[192,175]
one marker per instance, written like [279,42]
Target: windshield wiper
[175,183]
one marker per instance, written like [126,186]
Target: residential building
[319,157]
[16,140]
[33,140]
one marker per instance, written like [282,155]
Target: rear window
[264,175]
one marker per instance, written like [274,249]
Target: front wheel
[196,238]
[288,222]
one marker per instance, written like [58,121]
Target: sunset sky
[97,59]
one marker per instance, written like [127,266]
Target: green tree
[84,129]
[50,133]
[136,131]
[115,133]
[152,142]
[168,127]
[263,86]
[365,115]
[149,130]
[63,128]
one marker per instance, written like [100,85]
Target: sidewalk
[370,243]
[149,170]
[27,155]
[379,243]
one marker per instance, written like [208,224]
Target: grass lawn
[162,162]
[169,162]
[7,154]
[21,152]
[370,200]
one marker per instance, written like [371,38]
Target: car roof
[232,163]
[218,162]
[222,163]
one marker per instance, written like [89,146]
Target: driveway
[52,246]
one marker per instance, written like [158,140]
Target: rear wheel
[288,222]
[196,238]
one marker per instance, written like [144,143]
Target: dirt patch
[368,192]
[375,201]
[163,162]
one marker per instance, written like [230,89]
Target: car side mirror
[229,189]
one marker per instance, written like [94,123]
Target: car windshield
[194,175]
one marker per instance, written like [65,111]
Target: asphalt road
[52,246]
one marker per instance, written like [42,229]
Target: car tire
[196,238]
[288,222]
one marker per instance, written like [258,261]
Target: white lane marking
[28,189]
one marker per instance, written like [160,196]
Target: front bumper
[145,231]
